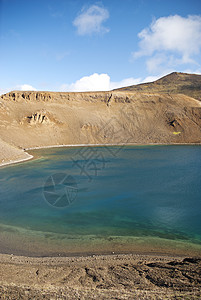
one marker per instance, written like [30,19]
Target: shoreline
[103,145]
[20,241]
[12,162]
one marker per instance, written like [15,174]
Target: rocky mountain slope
[141,114]
[187,84]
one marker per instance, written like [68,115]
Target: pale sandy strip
[76,145]
[16,161]
[123,144]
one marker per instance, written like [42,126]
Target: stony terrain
[142,115]
[100,277]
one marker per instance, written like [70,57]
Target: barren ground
[100,277]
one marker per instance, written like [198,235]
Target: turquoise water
[145,192]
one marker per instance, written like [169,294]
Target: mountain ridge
[175,82]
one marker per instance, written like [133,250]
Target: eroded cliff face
[28,96]
[36,119]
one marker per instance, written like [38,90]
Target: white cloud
[25,87]
[90,20]
[95,82]
[172,41]
[98,82]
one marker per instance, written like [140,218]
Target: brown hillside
[145,114]
[187,84]
[38,119]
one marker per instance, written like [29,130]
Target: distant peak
[174,74]
[179,74]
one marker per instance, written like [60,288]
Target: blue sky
[74,45]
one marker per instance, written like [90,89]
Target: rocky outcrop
[59,97]
[41,117]
[38,118]
[27,96]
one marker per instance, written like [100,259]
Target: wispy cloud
[90,20]
[4,91]
[55,13]
[60,56]
[172,40]
[124,82]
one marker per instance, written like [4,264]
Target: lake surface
[102,200]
